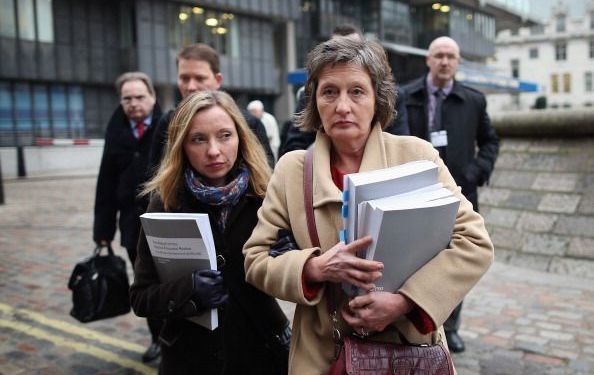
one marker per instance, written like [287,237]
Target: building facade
[406,27]
[558,55]
[59,58]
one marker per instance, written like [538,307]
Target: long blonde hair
[169,177]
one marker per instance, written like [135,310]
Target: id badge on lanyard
[439,138]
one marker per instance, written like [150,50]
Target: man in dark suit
[198,69]
[453,117]
[123,170]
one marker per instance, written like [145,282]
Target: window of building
[554,83]
[41,112]
[560,23]
[533,53]
[26,19]
[397,26]
[59,109]
[45,27]
[592,20]
[537,30]
[515,32]
[34,20]
[6,113]
[7,22]
[28,111]
[515,68]
[23,107]
[433,21]
[588,86]
[561,51]
[76,111]
[199,25]
[566,82]
[591,48]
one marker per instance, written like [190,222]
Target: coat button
[171,306]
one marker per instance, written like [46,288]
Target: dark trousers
[154,325]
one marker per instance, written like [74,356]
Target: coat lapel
[324,190]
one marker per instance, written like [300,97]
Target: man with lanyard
[453,117]
[123,170]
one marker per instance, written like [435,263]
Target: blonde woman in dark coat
[214,165]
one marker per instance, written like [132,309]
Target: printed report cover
[181,243]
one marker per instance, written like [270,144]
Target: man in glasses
[124,168]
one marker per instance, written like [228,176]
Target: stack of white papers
[408,214]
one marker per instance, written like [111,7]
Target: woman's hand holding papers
[341,264]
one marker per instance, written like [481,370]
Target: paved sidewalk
[516,321]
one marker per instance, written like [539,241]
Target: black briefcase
[99,287]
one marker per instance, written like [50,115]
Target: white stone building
[558,55]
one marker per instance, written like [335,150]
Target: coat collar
[418,88]
[324,190]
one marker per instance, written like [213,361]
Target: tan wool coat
[436,288]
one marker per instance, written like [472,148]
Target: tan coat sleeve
[280,277]
[442,283]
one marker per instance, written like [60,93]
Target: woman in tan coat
[350,95]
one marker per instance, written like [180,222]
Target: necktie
[439,97]
[139,129]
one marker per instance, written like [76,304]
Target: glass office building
[59,58]
[406,27]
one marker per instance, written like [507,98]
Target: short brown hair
[200,52]
[134,76]
[370,56]
[346,29]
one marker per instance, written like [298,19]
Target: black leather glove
[280,346]
[209,291]
[284,242]
[285,338]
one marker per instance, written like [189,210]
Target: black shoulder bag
[99,287]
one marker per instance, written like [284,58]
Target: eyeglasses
[129,99]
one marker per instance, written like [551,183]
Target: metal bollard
[22,171]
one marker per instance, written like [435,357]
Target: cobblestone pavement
[516,321]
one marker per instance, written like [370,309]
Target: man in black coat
[198,69]
[123,170]
[453,117]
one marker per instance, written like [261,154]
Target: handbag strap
[98,249]
[315,240]
[308,197]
